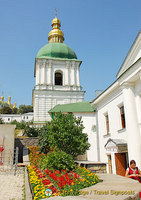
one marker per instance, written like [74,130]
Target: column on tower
[44,73]
[37,73]
[72,74]
[67,77]
[77,76]
[49,80]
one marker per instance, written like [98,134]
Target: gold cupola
[56,35]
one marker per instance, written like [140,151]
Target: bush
[1,121]
[57,160]
[19,125]
[25,109]
[31,131]
[66,133]
[6,110]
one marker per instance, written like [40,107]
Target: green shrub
[30,131]
[19,125]
[57,160]
[1,121]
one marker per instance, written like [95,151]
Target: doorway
[121,163]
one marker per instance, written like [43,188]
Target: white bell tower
[57,75]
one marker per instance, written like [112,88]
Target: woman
[133,171]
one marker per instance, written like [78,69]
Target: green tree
[6,110]
[66,133]
[19,125]
[14,110]
[31,131]
[1,121]
[25,109]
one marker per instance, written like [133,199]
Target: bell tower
[56,75]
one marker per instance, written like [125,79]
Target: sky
[100,32]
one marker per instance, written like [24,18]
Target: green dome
[56,50]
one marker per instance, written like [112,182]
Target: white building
[27,117]
[57,75]
[119,115]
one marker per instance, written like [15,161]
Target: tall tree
[6,110]
[66,133]
[14,110]
[25,109]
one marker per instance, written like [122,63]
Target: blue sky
[100,32]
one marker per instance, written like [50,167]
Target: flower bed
[39,182]
[36,184]
[60,182]
[34,155]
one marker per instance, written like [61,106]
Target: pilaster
[73,74]
[49,82]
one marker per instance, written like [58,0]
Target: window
[107,123]
[58,78]
[122,115]
[93,129]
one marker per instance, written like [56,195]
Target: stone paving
[11,187]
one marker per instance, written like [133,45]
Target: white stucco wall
[110,106]
[89,122]
[11,117]
[125,91]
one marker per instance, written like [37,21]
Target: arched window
[58,78]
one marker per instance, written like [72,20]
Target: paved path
[11,187]
[111,185]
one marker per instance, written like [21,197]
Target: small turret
[2,98]
[15,105]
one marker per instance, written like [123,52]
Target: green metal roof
[83,106]
[56,50]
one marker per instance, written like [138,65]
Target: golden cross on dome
[56,12]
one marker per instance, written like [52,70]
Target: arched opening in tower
[58,78]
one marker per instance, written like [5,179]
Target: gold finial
[15,105]
[56,35]
[9,100]
[55,12]
[2,98]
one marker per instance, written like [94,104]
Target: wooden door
[110,164]
[120,160]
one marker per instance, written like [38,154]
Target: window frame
[107,123]
[122,117]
